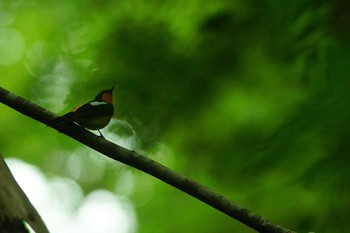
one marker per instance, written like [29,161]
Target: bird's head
[105,96]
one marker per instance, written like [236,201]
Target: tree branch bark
[144,164]
[15,205]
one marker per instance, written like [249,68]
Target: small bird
[93,115]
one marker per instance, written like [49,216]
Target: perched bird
[93,115]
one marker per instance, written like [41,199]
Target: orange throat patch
[107,97]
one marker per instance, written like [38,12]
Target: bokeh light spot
[11,46]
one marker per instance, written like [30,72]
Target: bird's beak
[110,90]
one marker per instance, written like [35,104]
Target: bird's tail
[65,117]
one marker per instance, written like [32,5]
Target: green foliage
[249,98]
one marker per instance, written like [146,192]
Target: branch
[144,164]
[15,205]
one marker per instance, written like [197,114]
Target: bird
[93,115]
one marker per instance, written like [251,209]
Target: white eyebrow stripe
[95,103]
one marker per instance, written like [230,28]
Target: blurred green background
[250,98]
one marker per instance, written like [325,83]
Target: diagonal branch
[144,164]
